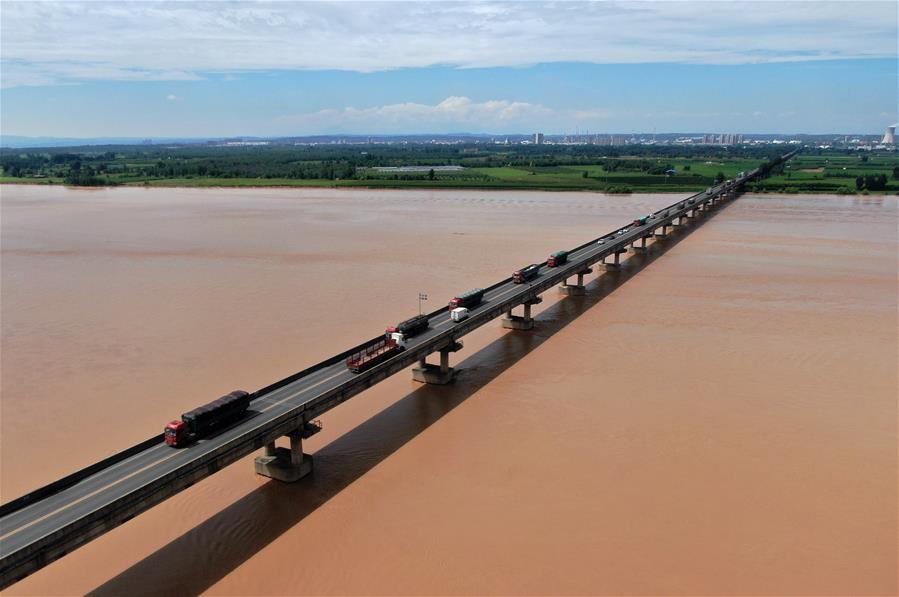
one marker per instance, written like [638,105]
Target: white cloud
[54,42]
[453,114]
[171,97]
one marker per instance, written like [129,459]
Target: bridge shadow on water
[204,555]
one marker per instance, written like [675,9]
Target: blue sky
[226,69]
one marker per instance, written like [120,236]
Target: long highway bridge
[47,523]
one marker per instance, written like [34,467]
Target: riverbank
[418,168]
[283,183]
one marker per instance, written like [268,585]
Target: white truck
[459,314]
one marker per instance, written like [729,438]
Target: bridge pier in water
[616,261]
[661,232]
[641,248]
[514,322]
[437,374]
[575,289]
[287,464]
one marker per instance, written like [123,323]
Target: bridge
[48,523]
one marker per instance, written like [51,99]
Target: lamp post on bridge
[421,297]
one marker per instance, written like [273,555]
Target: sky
[214,69]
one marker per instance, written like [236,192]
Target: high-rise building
[889,137]
[538,138]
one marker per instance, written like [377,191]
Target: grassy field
[691,175]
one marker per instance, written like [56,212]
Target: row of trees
[871,182]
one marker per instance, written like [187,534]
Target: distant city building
[889,137]
[538,138]
[723,139]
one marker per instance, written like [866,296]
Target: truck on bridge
[526,273]
[410,327]
[558,258]
[202,420]
[377,352]
[469,299]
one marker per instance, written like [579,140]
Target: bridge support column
[514,322]
[576,289]
[287,464]
[616,264]
[641,248]
[663,233]
[437,374]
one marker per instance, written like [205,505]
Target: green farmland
[830,173]
[624,169]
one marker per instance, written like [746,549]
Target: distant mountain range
[20,141]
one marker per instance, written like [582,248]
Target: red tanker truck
[201,421]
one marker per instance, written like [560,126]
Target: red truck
[526,273]
[376,352]
[469,299]
[201,421]
[410,327]
[558,258]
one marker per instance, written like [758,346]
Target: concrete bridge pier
[287,464]
[575,289]
[641,248]
[663,233]
[440,374]
[616,263]
[514,322]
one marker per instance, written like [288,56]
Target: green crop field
[834,174]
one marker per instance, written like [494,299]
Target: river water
[725,422]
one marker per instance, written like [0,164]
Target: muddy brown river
[719,418]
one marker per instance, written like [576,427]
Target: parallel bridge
[44,525]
